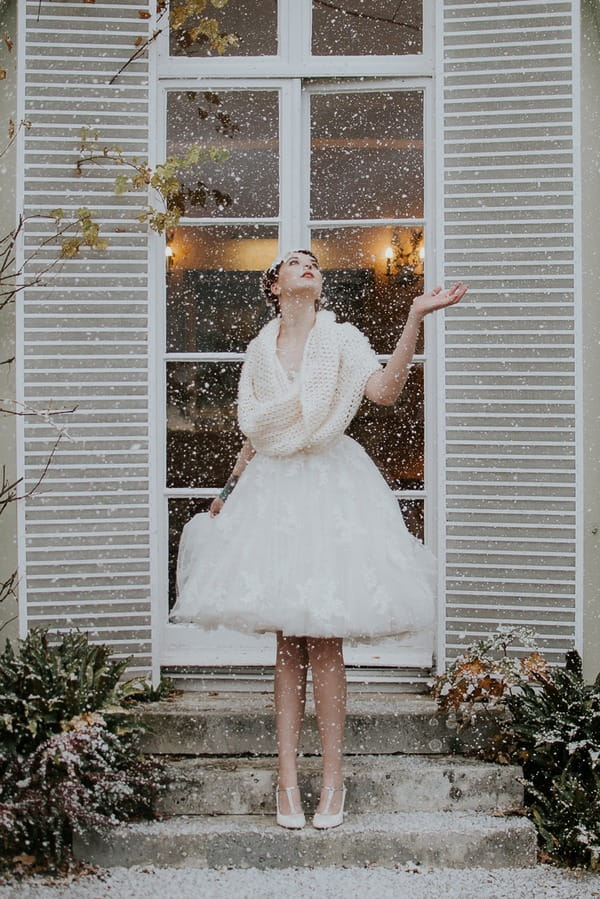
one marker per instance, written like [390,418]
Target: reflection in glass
[253,21]
[371,276]
[246,124]
[414,516]
[367,27]
[394,435]
[214,303]
[203,439]
[367,155]
[180,512]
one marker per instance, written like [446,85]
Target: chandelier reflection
[404,259]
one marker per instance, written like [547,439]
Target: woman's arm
[384,387]
[245,454]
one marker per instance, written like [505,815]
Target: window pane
[414,516]
[253,21]
[367,155]
[367,27]
[214,303]
[246,124]
[371,276]
[180,512]
[203,439]
[394,435]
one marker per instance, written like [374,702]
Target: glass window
[246,124]
[214,303]
[371,275]
[254,22]
[367,27]
[367,155]
[203,439]
[393,436]
[180,512]
[414,516]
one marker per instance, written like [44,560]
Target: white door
[331,163]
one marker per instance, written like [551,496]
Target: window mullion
[294,33]
[291,165]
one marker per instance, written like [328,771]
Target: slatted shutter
[509,141]
[85,334]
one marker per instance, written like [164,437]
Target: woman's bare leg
[290,698]
[329,686]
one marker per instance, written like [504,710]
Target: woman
[311,544]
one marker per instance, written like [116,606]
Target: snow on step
[235,724]
[442,839]
[206,786]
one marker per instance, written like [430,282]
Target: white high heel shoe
[294,821]
[324,820]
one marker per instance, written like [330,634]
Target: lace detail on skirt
[310,544]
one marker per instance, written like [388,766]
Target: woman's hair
[269,277]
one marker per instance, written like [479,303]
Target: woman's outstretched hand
[439,299]
[216,506]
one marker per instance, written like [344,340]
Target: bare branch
[28,411]
[12,134]
[358,14]
[8,621]
[140,50]
[8,492]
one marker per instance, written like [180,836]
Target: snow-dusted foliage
[556,731]
[486,671]
[552,729]
[66,760]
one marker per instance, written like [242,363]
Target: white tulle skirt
[312,545]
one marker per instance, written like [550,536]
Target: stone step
[230,724]
[236,786]
[442,839]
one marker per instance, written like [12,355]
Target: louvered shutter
[510,231]
[84,334]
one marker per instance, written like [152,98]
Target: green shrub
[66,761]
[43,685]
[556,735]
[553,731]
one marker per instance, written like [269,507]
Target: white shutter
[511,354]
[85,334]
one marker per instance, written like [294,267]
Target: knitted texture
[280,417]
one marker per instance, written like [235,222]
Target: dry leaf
[11,129]
[24,859]
[2,74]
[144,14]
[138,42]
[7,41]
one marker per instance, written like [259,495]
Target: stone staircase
[411,796]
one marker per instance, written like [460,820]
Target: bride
[311,543]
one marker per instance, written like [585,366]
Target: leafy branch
[165,179]
[204,31]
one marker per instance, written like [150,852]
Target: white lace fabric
[310,544]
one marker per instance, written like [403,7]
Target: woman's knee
[325,650]
[292,649]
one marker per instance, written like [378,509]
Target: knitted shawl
[281,417]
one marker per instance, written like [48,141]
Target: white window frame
[294,58]
[287,72]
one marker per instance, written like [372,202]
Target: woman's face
[299,275]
